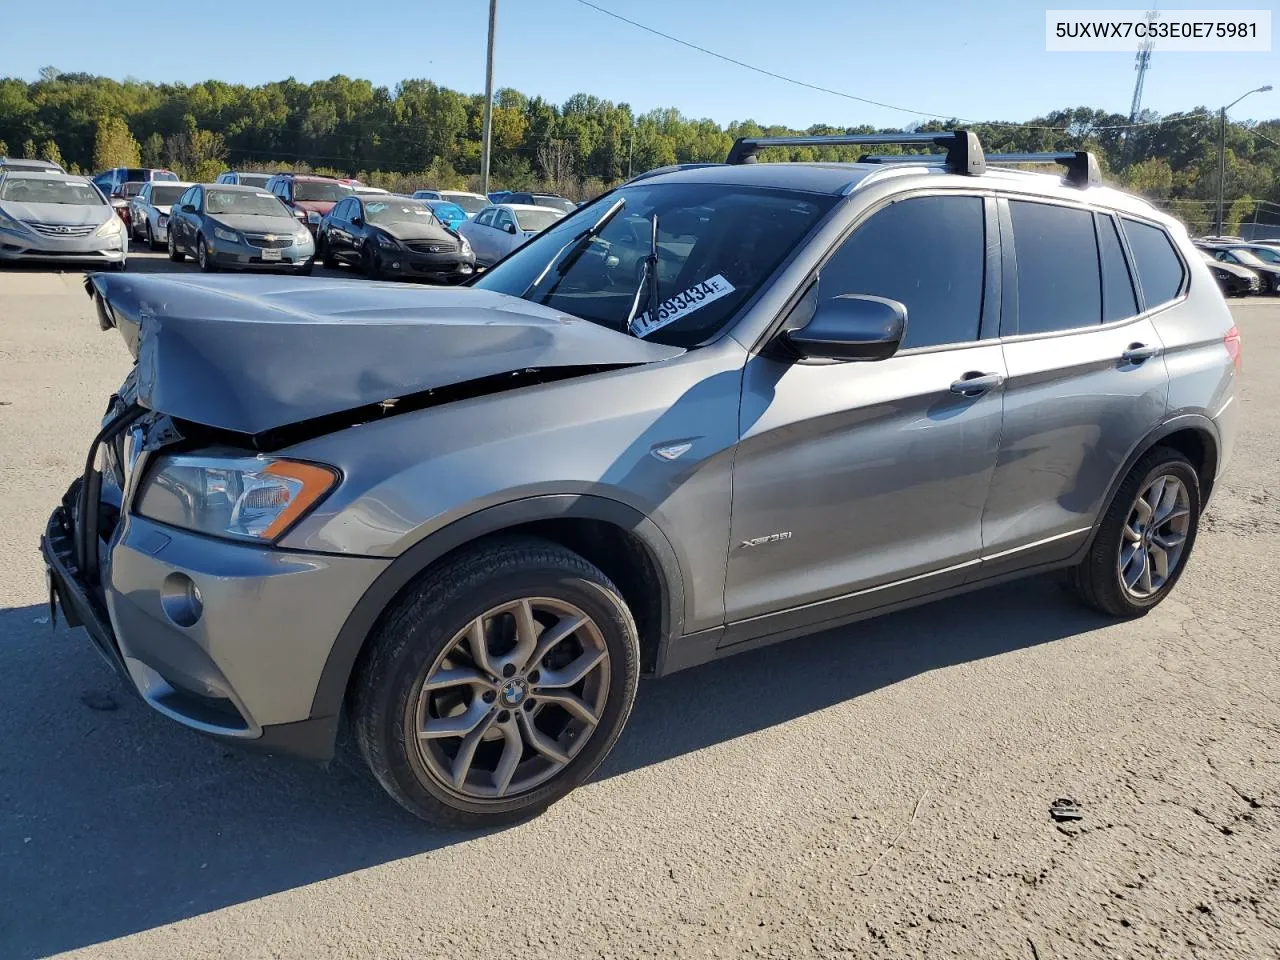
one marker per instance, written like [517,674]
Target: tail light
[1232,342]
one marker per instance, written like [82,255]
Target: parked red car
[308,197]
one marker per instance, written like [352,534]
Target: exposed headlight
[386,241]
[302,236]
[246,498]
[466,247]
[313,217]
[112,226]
[229,235]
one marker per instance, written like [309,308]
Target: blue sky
[980,61]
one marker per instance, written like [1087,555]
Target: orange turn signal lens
[316,482]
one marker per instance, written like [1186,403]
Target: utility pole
[487,135]
[1222,153]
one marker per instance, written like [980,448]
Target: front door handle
[975,383]
[1138,352]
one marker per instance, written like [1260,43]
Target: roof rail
[1082,166]
[671,168]
[964,150]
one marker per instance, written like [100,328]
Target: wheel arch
[1193,435]
[624,543]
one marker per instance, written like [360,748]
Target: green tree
[1241,209]
[114,145]
[1152,178]
[49,151]
[29,150]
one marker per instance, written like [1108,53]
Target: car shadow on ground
[114,820]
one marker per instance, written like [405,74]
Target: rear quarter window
[1160,270]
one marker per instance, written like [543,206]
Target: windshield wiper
[576,247]
[649,278]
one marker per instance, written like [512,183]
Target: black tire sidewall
[392,703]
[1105,552]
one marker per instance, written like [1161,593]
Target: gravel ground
[877,791]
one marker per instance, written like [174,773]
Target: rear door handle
[975,383]
[1138,352]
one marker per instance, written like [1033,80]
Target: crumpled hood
[252,354]
[69,214]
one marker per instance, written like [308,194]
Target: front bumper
[245,256]
[404,262]
[241,661]
[15,245]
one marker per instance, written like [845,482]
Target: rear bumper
[242,663]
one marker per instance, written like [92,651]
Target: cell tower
[1141,63]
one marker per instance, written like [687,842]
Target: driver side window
[928,253]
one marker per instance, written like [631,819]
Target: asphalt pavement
[882,790]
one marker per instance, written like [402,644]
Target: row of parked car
[1242,267]
[252,221]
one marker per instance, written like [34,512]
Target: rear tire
[1127,546]
[456,778]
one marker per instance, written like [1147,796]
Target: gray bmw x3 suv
[720,406]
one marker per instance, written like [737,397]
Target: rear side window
[1118,298]
[929,253]
[1159,267]
[1059,285]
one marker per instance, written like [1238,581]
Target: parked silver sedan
[56,216]
[149,211]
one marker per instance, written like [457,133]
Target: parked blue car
[450,214]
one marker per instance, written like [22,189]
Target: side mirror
[356,221]
[850,327]
[510,228]
[188,208]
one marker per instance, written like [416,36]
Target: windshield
[131,189]
[467,202]
[717,243]
[557,203]
[30,190]
[163,175]
[534,220]
[166,195]
[12,166]
[401,211]
[319,191]
[1246,257]
[247,203]
[447,211]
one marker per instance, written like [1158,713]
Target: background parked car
[121,198]
[499,229]
[448,212]
[366,191]
[535,200]
[109,180]
[225,226]
[11,164]
[245,179]
[1243,255]
[149,211]
[308,198]
[55,216]
[1234,281]
[472,203]
[393,236]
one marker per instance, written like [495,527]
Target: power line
[855,97]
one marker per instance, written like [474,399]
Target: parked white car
[149,211]
[501,227]
[471,203]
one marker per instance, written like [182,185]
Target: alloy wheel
[512,699]
[1154,537]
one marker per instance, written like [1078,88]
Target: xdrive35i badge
[771,538]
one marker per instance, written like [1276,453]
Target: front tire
[496,685]
[202,256]
[151,238]
[326,255]
[176,255]
[371,268]
[1144,539]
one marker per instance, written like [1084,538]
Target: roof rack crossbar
[964,150]
[1082,166]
